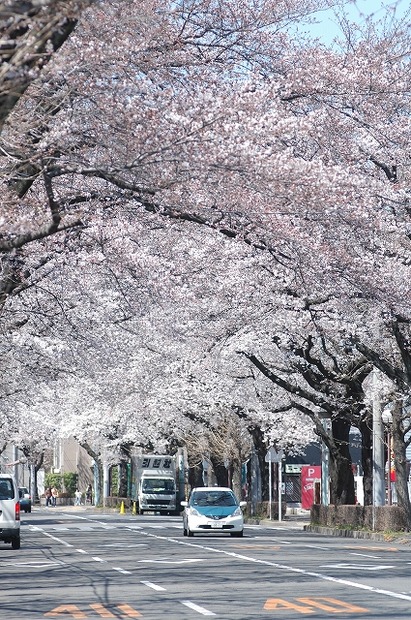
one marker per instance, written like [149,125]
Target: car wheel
[15,543]
[29,510]
[190,533]
[237,534]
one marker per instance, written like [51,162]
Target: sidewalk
[295,518]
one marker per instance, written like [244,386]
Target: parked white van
[9,511]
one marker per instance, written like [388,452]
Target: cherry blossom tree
[220,119]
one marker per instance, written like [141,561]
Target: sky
[327,27]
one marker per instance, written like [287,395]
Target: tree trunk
[220,473]
[37,466]
[98,492]
[261,450]
[341,474]
[366,460]
[400,462]
[195,476]
[122,479]
[236,479]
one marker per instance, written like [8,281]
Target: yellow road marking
[129,611]
[72,610]
[101,610]
[278,603]
[310,604]
[338,605]
[78,614]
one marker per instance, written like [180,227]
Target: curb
[400,537]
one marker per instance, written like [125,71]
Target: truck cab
[156,484]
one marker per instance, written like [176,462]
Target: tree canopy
[196,200]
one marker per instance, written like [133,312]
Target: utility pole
[325,458]
[378,486]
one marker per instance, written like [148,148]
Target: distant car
[25,499]
[9,511]
[213,509]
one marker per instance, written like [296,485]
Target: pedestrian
[48,496]
[78,495]
[54,494]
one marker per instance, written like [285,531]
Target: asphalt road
[76,563]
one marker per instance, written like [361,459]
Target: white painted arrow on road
[370,567]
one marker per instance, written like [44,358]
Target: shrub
[53,480]
[70,480]
[66,483]
[379,518]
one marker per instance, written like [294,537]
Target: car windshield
[212,498]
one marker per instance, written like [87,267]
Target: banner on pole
[310,474]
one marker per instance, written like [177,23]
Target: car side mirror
[184,503]
[243,504]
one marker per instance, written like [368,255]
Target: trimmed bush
[377,518]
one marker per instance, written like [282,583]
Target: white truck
[155,483]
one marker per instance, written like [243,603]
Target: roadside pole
[272,456]
[377,444]
[270,490]
[280,484]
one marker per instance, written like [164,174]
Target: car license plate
[216,524]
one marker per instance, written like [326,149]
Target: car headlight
[237,512]
[194,512]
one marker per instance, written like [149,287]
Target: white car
[211,510]
[9,511]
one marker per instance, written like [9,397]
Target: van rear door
[8,500]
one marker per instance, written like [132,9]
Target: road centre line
[292,569]
[95,558]
[59,540]
[364,555]
[201,610]
[153,586]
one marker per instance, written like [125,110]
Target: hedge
[377,518]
